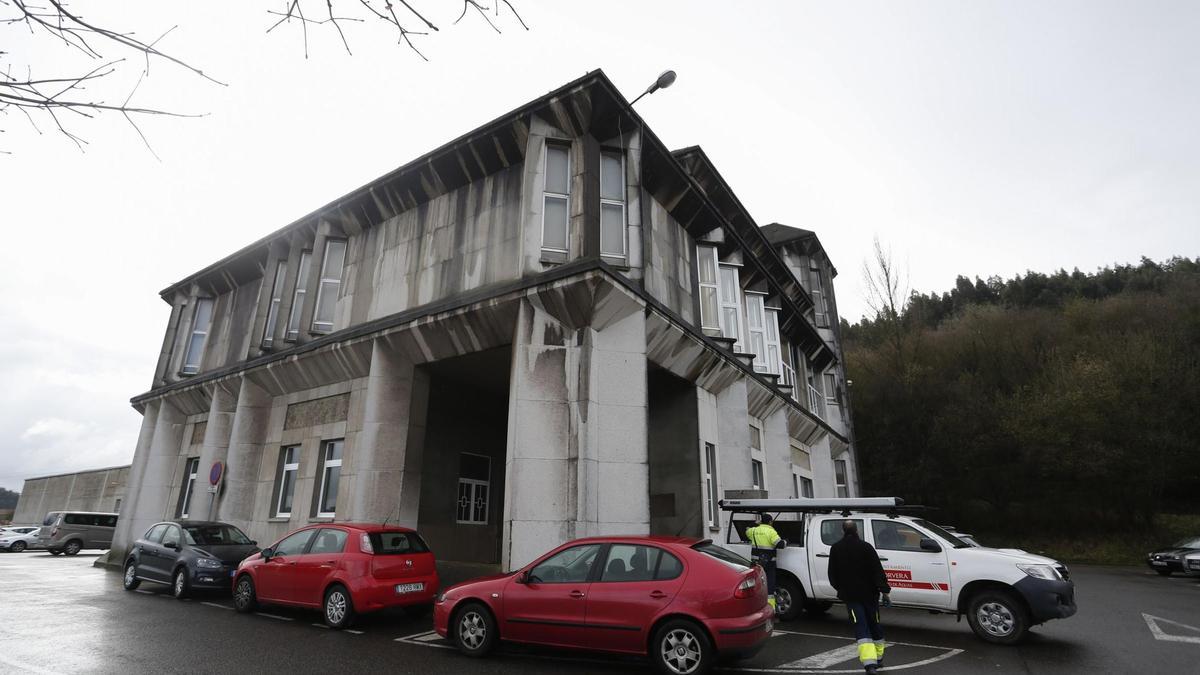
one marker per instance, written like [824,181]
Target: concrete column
[387,462]
[777,449]
[121,536]
[214,448]
[152,489]
[733,446]
[247,433]
[824,480]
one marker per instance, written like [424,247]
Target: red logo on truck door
[903,579]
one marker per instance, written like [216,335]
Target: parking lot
[64,615]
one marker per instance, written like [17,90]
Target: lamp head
[666,79]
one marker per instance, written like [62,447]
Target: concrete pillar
[733,446]
[243,458]
[777,449]
[824,480]
[214,448]
[121,536]
[387,462]
[153,488]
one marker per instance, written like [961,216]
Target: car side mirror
[523,578]
[253,542]
[267,553]
[930,545]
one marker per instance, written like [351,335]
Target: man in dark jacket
[857,575]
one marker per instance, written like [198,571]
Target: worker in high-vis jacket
[857,574]
[764,541]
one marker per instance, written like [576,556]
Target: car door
[276,579]
[168,550]
[314,567]
[149,559]
[918,576]
[822,535]
[635,583]
[550,606]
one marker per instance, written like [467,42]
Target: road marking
[213,604]
[145,592]
[425,639]
[275,616]
[321,625]
[1153,623]
[356,632]
[825,659]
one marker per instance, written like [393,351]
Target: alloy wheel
[130,574]
[18,547]
[335,607]
[72,548]
[681,651]
[472,630]
[180,584]
[243,593]
[996,619]
[783,601]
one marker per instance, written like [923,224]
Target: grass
[1102,548]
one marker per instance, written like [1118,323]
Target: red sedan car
[682,601]
[342,568]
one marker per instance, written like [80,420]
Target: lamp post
[666,79]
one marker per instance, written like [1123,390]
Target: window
[154,534]
[474,486]
[831,530]
[831,392]
[756,327]
[329,541]
[839,471]
[612,204]
[330,472]
[774,357]
[171,537]
[201,320]
[189,483]
[756,458]
[295,544]
[117,505]
[820,310]
[331,283]
[573,565]
[710,483]
[293,328]
[731,307]
[276,298]
[106,521]
[894,536]
[556,198]
[216,535]
[397,543]
[289,466]
[724,555]
[706,273]
[804,486]
[630,562]
[756,474]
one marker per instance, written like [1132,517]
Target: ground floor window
[801,486]
[710,483]
[285,486]
[756,474]
[189,483]
[330,472]
[839,472]
[474,488]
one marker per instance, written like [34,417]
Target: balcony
[816,402]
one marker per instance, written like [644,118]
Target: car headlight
[209,563]
[1041,572]
[439,598]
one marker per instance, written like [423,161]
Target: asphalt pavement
[62,614]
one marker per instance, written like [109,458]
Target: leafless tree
[60,98]
[887,294]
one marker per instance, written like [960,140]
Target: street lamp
[666,79]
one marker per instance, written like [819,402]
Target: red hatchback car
[342,568]
[682,601]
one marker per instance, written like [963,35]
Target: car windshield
[215,535]
[1190,542]
[950,539]
[724,555]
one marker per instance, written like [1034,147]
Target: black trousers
[766,560]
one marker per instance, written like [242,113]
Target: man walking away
[764,541]
[857,574]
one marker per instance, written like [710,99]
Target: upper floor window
[731,305]
[839,474]
[820,307]
[276,300]
[293,328]
[706,273]
[201,320]
[756,328]
[774,355]
[612,204]
[331,284]
[556,198]
[831,392]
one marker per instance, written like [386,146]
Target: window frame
[268,336]
[474,484]
[325,464]
[772,340]
[712,515]
[817,291]
[756,307]
[284,468]
[190,470]
[829,382]
[758,457]
[547,194]
[735,303]
[188,367]
[841,482]
[299,294]
[620,154]
[317,326]
[708,254]
[601,553]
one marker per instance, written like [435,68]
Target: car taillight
[746,588]
[364,543]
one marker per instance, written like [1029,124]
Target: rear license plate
[1158,563]
[409,588]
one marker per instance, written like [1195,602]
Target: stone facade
[95,490]
[414,352]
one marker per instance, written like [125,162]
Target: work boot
[871,669]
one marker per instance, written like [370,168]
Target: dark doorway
[673,440]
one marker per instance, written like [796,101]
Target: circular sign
[214,474]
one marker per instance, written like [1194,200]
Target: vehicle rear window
[724,555]
[397,543]
[215,535]
[50,518]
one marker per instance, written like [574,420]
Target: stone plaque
[317,412]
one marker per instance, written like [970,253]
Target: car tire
[338,608]
[817,608]
[180,584]
[1163,573]
[418,611]
[789,599]
[473,630]
[74,546]
[130,580]
[17,547]
[244,597]
[998,617]
[681,647]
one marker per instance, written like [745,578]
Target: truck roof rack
[890,505]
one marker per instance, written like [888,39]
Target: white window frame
[293,466]
[731,303]
[800,481]
[758,457]
[756,309]
[328,285]
[268,337]
[711,515]
[820,308]
[190,470]
[547,194]
[326,464]
[829,384]
[613,202]
[191,361]
[298,295]
[706,256]
[842,483]
[774,360]
[474,485]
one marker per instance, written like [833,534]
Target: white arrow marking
[825,659]
[1153,621]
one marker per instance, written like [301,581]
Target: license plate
[409,588]
[1158,563]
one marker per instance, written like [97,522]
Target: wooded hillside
[1046,403]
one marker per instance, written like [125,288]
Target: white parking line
[145,592]
[213,604]
[824,659]
[321,625]
[424,639]
[1158,633]
[275,616]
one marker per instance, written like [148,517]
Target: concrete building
[548,328]
[93,490]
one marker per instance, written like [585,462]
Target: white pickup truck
[1002,593]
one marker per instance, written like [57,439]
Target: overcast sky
[974,138]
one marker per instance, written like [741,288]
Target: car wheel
[244,597]
[474,630]
[1163,573]
[339,608]
[130,580]
[789,599]
[681,647]
[180,584]
[72,547]
[18,546]
[997,617]
[816,608]
[53,551]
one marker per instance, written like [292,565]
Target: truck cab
[1002,593]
